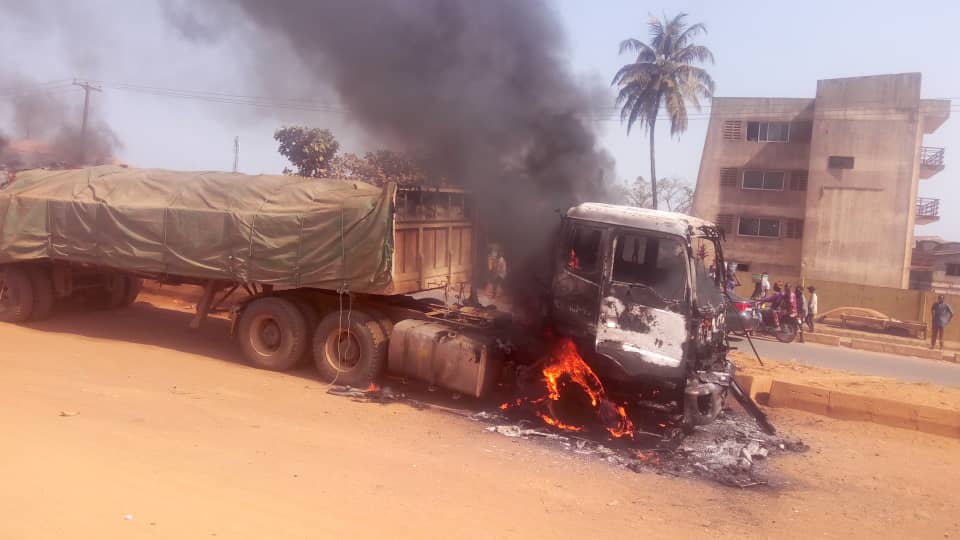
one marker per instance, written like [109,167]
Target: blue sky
[761,48]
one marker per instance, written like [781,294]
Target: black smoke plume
[42,128]
[479,88]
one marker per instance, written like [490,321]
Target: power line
[853,110]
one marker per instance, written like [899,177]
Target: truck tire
[386,323]
[43,296]
[131,290]
[16,294]
[312,317]
[349,347]
[116,291]
[273,333]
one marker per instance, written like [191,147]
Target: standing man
[941,313]
[500,274]
[811,306]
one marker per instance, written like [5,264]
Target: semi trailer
[330,272]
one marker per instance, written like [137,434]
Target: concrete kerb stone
[844,406]
[822,339]
[800,397]
[893,348]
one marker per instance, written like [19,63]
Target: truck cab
[641,292]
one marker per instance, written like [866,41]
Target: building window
[733,130]
[743,267]
[768,131]
[759,226]
[794,228]
[840,162]
[953,269]
[768,180]
[725,222]
[798,181]
[728,177]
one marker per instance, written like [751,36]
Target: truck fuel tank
[443,355]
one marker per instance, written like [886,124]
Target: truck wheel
[43,296]
[16,294]
[312,318]
[116,291]
[273,333]
[386,323]
[349,348]
[131,290]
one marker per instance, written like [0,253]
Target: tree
[310,150]
[664,73]
[379,167]
[676,192]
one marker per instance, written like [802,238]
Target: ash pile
[732,450]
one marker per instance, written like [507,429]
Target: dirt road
[127,425]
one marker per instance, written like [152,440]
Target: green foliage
[313,152]
[675,192]
[380,167]
[665,73]
[310,150]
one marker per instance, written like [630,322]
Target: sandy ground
[127,414]
[946,397]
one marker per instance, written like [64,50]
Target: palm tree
[663,73]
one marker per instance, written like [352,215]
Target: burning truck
[331,270]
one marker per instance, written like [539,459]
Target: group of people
[789,300]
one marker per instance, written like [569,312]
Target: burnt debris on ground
[732,450]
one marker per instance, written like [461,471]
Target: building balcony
[928,210]
[931,161]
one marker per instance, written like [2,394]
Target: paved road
[869,363]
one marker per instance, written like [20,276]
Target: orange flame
[567,361]
[567,365]
[558,424]
[373,388]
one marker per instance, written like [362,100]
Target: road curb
[870,345]
[844,406]
[822,339]
[892,348]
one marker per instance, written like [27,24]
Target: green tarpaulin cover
[288,231]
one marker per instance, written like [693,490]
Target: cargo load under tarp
[288,231]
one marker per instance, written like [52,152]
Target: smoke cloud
[43,128]
[479,89]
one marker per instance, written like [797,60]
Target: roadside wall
[903,304]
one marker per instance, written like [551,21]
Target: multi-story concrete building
[935,265]
[823,188]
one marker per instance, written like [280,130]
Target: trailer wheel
[43,296]
[131,290]
[312,318]
[116,291]
[273,333]
[16,294]
[350,347]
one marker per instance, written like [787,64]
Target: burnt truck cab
[641,292]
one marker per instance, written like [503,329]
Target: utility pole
[236,152]
[87,87]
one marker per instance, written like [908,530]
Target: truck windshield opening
[652,261]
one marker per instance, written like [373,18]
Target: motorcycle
[755,318]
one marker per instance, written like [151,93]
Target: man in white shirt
[811,306]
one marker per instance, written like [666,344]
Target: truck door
[576,282]
[642,321]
